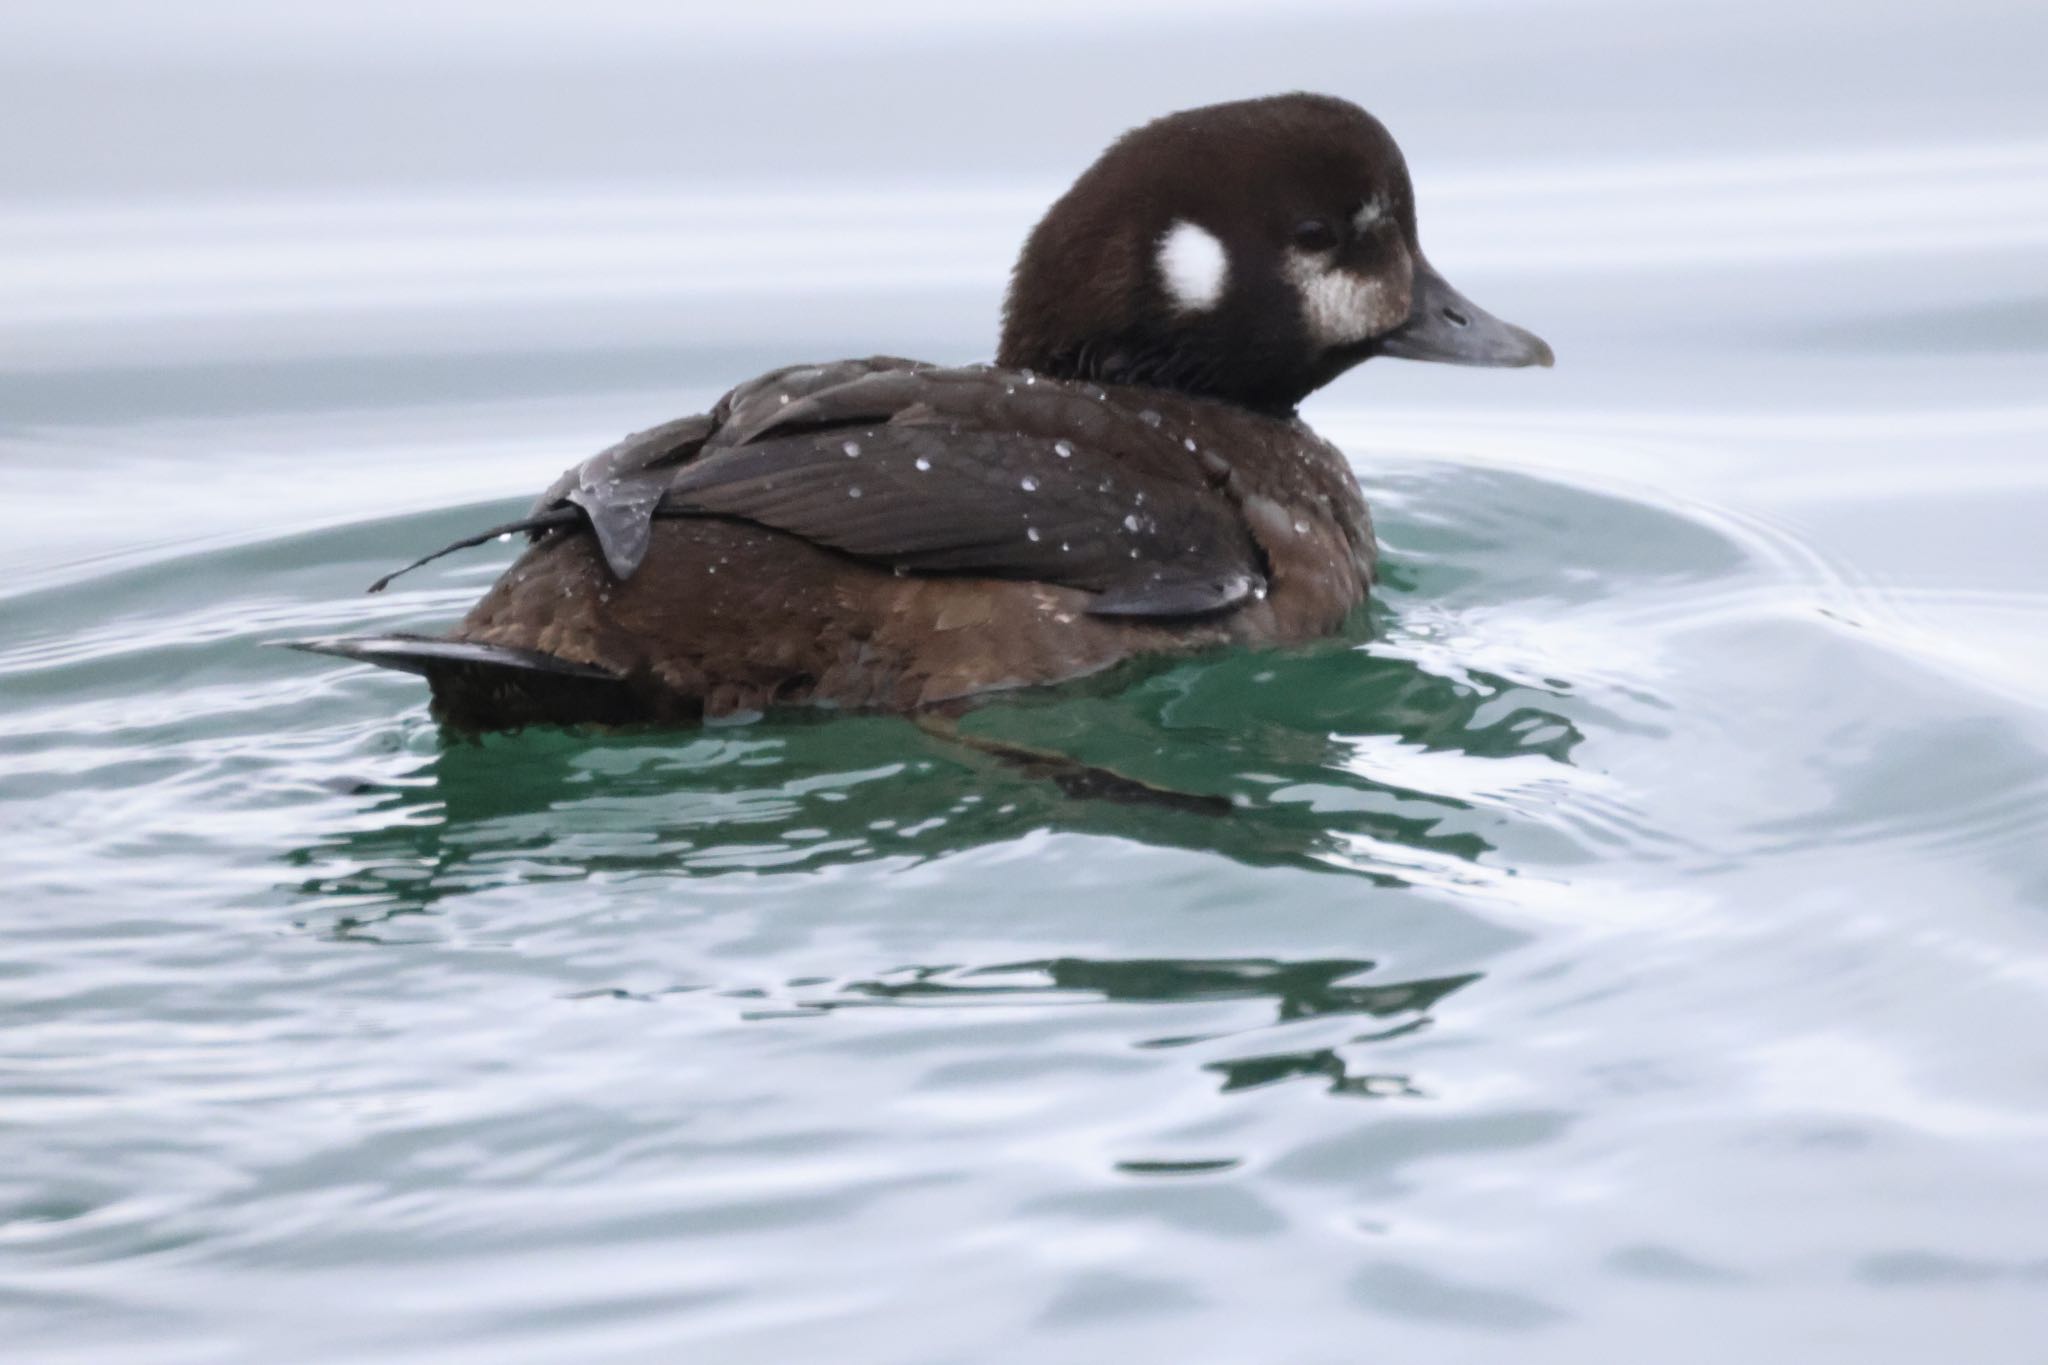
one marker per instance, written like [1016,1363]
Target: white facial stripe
[1194,266]
[1339,307]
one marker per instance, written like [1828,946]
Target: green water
[1630,942]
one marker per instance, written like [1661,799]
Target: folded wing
[936,471]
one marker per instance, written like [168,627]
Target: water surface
[1628,942]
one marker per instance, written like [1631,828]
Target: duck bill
[1444,325]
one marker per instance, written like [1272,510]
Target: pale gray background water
[1637,951]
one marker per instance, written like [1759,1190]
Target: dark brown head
[1252,252]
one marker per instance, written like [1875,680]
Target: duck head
[1250,252]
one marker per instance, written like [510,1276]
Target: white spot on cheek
[1338,306]
[1194,266]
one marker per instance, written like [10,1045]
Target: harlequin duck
[1128,477]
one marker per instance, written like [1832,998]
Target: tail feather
[492,687]
[539,521]
[424,654]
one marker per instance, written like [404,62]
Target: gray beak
[1445,325]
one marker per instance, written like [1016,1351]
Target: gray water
[1631,943]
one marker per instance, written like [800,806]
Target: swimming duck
[1127,478]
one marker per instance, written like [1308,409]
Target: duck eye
[1314,234]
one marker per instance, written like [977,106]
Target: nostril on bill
[1456,318]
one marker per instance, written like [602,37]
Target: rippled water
[1628,943]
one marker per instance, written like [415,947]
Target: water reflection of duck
[803,797]
[1127,479]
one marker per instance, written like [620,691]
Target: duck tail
[484,686]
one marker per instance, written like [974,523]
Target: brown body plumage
[726,615]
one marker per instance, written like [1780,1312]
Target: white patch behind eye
[1370,212]
[1194,266]
[1338,306]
